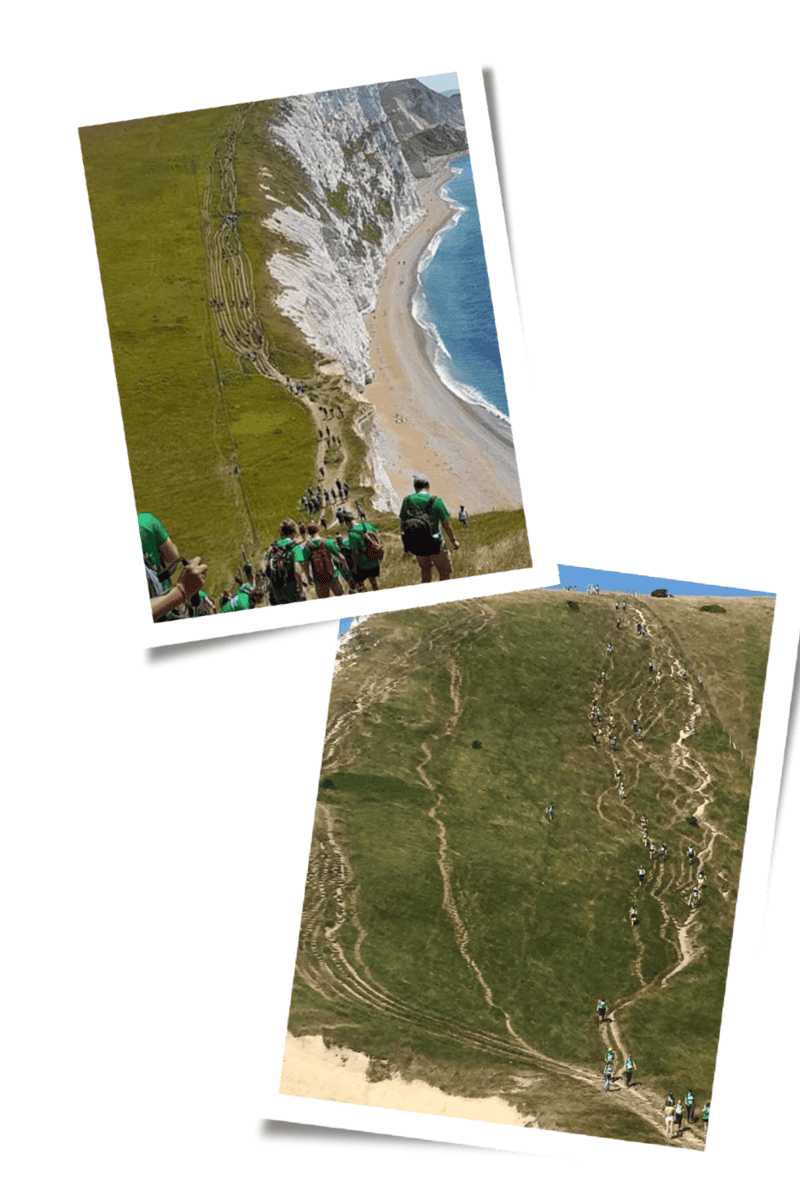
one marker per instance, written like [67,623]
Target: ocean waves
[452,304]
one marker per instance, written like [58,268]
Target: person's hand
[193,576]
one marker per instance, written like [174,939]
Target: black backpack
[416,530]
[280,565]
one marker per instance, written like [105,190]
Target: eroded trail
[331,908]
[686,784]
[233,297]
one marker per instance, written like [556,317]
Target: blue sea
[454,305]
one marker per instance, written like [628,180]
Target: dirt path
[691,782]
[332,895]
[233,302]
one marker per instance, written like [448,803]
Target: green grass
[191,411]
[544,905]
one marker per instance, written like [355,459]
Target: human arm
[301,570]
[191,580]
[447,527]
[169,552]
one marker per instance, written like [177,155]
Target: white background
[157,816]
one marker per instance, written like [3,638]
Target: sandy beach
[312,1070]
[419,424]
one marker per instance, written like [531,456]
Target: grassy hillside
[220,441]
[217,450]
[456,935]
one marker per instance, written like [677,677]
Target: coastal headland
[419,423]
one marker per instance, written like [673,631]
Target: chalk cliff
[361,198]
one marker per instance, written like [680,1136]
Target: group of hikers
[302,557]
[674,1110]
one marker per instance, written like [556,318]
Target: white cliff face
[362,199]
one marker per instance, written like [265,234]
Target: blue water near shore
[453,302]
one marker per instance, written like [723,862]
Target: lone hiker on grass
[601,1009]
[365,550]
[630,1067]
[422,517]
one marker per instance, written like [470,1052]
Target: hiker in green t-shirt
[325,568]
[363,567]
[161,553]
[704,1118]
[422,518]
[246,597]
[286,567]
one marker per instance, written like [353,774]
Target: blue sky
[440,83]
[616,581]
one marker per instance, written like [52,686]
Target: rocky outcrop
[355,147]
[428,124]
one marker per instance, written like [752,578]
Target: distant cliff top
[427,124]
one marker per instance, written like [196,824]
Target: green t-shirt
[153,535]
[332,547]
[288,593]
[355,541]
[438,510]
[238,603]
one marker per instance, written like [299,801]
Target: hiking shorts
[438,560]
[371,572]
